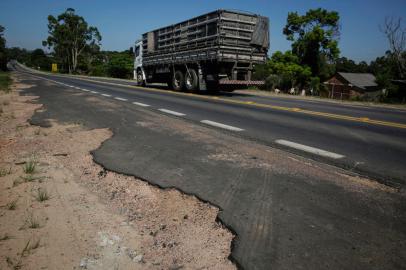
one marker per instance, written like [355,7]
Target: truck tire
[178,81]
[191,81]
[140,79]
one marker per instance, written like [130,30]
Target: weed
[4,172]
[12,205]
[37,132]
[5,237]
[42,195]
[32,222]
[29,167]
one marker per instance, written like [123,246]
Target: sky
[121,22]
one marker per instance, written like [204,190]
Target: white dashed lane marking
[171,112]
[220,125]
[122,99]
[309,149]
[141,104]
[106,95]
[94,92]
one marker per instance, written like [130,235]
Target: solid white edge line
[141,104]
[220,125]
[172,112]
[106,95]
[309,149]
[122,99]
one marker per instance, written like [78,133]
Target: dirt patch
[60,210]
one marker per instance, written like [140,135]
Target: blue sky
[123,21]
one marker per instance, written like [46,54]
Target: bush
[99,70]
[120,65]
[5,81]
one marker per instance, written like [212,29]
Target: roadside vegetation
[5,81]
[315,57]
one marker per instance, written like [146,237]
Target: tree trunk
[74,59]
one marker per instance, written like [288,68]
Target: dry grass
[4,172]
[12,205]
[5,237]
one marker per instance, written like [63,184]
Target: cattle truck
[217,50]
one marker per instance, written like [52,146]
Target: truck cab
[139,75]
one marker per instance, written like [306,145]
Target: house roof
[360,80]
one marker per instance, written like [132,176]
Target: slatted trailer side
[220,46]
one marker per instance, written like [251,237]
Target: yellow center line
[261,105]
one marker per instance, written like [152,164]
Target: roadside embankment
[60,210]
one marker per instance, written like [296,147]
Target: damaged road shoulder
[65,211]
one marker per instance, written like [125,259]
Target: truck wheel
[178,81]
[191,81]
[140,79]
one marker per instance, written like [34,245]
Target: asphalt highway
[367,140]
[265,163]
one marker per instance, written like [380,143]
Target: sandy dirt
[69,213]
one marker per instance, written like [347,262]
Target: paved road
[287,211]
[374,150]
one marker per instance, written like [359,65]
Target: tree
[344,64]
[38,59]
[69,36]
[396,35]
[3,51]
[315,37]
[284,71]
[16,53]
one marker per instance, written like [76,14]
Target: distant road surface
[367,140]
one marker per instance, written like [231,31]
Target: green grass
[42,195]
[29,167]
[5,81]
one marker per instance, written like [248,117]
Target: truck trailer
[217,50]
